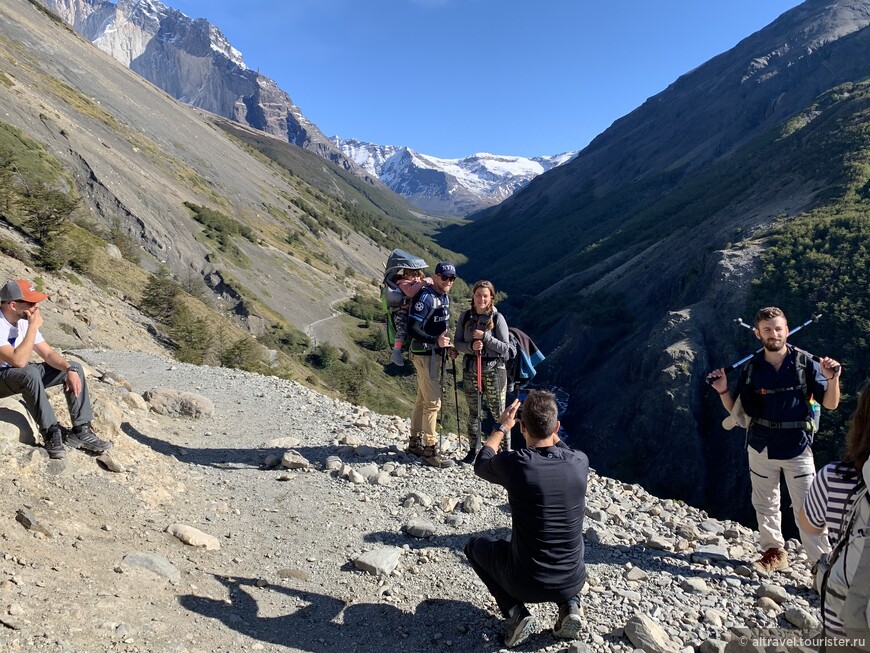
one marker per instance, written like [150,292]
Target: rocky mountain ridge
[192,60]
[668,213]
[241,512]
[456,187]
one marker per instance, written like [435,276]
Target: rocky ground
[350,544]
[239,512]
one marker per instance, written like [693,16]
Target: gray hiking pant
[31,381]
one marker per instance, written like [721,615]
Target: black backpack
[801,364]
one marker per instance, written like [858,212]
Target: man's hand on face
[33,316]
[73,382]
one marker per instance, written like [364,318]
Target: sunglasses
[447,277]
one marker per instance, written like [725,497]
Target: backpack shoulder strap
[801,363]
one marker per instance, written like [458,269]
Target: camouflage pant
[492,398]
[400,323]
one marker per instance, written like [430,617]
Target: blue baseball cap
[446,268]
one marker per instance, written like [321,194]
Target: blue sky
[453,77]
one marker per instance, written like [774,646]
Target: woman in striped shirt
[833,491]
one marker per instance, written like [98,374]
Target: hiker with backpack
[427,324]
[410,282]
[834,496]
[777,387]
[482,335]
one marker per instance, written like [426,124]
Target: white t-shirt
[13,335]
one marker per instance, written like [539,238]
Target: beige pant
[765,476]
[425,415]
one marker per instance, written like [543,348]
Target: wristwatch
[501,427]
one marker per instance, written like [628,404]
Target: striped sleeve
[816,500]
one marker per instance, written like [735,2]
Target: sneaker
[83,437]
[569,621]
[396,357]
[434,458]
[54,442]
[519,626]
[771,560]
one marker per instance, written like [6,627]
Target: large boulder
[16,424]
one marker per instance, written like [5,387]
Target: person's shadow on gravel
[229,458]
[323,624]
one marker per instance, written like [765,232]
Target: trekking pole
[456,397]
[441,394]
[815,318]
[479,406]
[736,364]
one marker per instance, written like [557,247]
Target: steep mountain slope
[193,62]
[629,262]
[449,186]
[266,231]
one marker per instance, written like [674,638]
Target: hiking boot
[771,560]
[396,357]
[569,621]
[434,458]
[415,446]
[54,442]
[519,626]
[83,437]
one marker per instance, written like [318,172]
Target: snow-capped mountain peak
[449,186]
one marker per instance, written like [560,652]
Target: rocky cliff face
[457,187]
[193,62]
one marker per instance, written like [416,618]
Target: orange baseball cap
[21,290]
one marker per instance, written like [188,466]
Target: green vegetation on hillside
[820,262]
[370,210]
[221,229]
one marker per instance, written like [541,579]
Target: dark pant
[491,560]
[31,381]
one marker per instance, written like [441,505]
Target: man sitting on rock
[20,319]
[546,485]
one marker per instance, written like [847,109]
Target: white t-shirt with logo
[13,335]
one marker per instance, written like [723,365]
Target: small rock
[636,574]
[294,460]
[767,604]
[379,562]
[152,562]
[800,618]
[194,537]
[646,634]
[472,504]
[298,574]
[694,586]
[773,592]
[27,519]
[420,528]
[108,461]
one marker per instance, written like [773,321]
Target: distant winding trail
[310,331]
